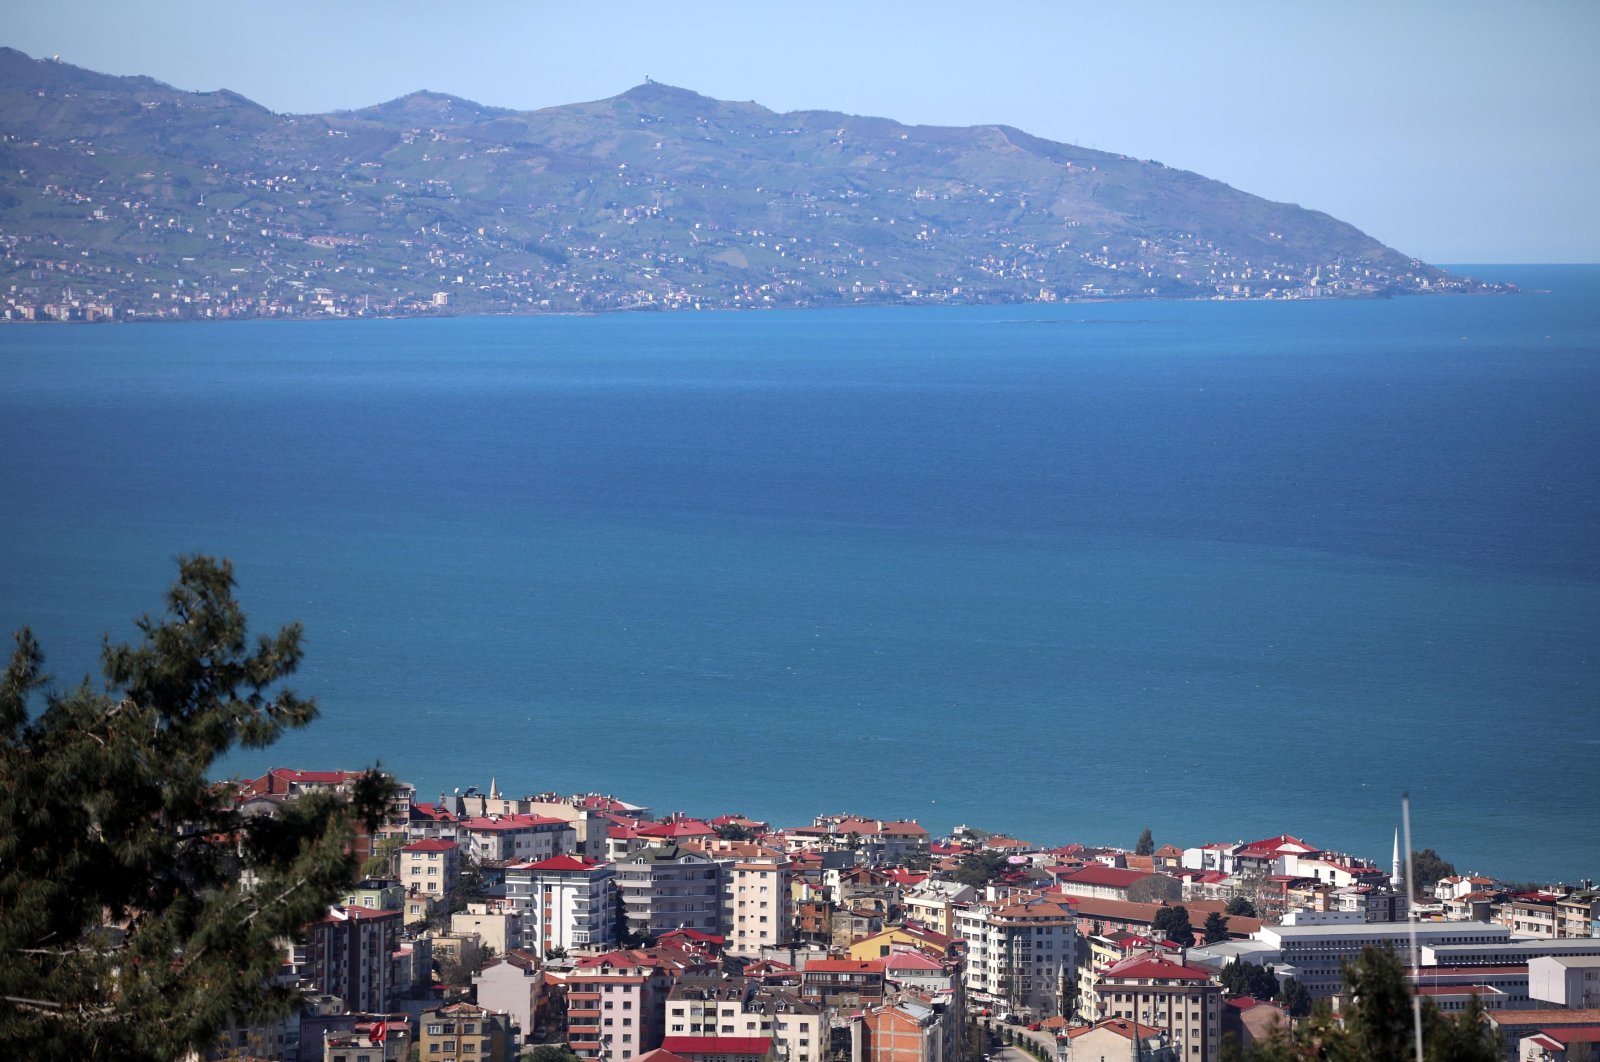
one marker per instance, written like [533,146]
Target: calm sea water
[1225,570]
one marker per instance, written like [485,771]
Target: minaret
[494,793]
[1394,866]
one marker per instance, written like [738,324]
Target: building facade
[567,902]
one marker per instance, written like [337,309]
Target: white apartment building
[1019,953]
[566,902]
[760,914]
[498,838]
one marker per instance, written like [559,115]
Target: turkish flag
[378,1032]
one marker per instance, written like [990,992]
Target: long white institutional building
[1319,953]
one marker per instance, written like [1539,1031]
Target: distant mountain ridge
[122,196]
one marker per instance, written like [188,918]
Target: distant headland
[125,199]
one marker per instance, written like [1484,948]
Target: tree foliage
[1173,924]
[1244,978]
[978,867]
[1296,1000]
[1216,927]
[1378,1024]
[125,931]
[1430,868]
[1241,907]
[548,1053]
[1146,845]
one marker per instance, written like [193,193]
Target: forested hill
[127,197]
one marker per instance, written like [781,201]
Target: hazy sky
[1455,131]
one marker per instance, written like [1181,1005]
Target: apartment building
[1178,1000]
[431,867]
[670,887]
[616,1002]
[566,902]
[1020,954]
[350,954]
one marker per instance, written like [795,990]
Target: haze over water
[1222,569]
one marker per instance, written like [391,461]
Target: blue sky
[1457,132]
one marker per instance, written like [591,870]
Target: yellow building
[462,1032]
[934,945]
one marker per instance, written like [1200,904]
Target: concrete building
[463,1032]
[1020,954]
[1107,883]
[842,983]
[761,913]
[907,1029]
[1569,981]
[1578,914]
[514,984]
[350,954]
[567,902]
[670,887]
[380,894]
[1178,1000]
[716,1017]
[934,904]
[616,1002]
[1320,953]
[393,1043]
[1503,952]
[1118,1039]
[431,867]
[498,838]
[498,930]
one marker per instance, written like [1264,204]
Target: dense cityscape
[586,924]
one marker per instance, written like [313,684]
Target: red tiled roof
[677,828]
[717,1045]
[1121,1026]
[908,829]
[1110,877]
[510,822]
[560,862]
[1155,968]
[697,935]
[430,845]
[910,960]
[1282,842]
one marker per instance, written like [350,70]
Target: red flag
[376,1034]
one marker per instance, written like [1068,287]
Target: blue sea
[1225,570]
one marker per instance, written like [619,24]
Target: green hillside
[125,197]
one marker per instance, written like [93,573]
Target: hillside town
[491,927]
[125,200]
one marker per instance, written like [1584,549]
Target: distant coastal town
[551,926]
